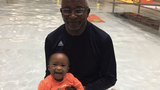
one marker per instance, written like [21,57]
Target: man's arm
[48,52]
[107,68]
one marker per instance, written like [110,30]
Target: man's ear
[88,11]
[60,10]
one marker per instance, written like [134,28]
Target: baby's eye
[54,64]
[63,65]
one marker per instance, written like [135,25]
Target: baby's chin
[59,80]
[58,76]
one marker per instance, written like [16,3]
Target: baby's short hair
[57,53]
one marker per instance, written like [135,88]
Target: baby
[59,79]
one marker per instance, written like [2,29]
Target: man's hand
[70,88]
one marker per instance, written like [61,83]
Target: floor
[24,24]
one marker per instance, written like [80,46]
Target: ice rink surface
[24,24]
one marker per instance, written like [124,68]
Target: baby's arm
[43,86]
[78,85]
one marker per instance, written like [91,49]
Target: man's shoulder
[98,32]
[57,31]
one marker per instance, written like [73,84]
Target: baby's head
[58,65]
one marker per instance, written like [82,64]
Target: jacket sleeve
[48,52]
[107,68]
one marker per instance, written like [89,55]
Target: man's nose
[73,15]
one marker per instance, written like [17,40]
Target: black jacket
[91,55]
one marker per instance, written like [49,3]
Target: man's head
[75,13]
[58,65]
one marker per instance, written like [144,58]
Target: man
[89,49]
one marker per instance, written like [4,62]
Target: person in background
[90,49]
[59,79]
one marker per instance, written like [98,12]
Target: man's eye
[80,10]
[54,64]
[67,11]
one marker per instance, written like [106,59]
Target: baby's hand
[70,88]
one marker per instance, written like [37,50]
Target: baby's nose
[58,67]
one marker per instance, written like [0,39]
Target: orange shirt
[49,83]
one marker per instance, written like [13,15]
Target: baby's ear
[48,67]
[67,69]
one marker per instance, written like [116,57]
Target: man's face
[74,21]
[58,66]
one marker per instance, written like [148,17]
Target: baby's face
[58,66]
